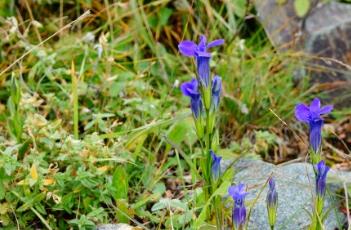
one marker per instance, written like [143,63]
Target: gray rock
[324,34]
[295,186]
[328,36]
[280,22]
[116,227]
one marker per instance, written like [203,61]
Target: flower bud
[272,203]
[216,165]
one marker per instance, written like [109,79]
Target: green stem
[208,148]
[218,211]
[315,157]
[75,107]
[317,222]
[207,160]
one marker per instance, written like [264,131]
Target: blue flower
[202,57]
[321,178]
[239,210]
[272,202]
[216,165]
[191,90]
[312,116]
[272,195]
[216,91]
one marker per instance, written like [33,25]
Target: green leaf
[181,131]
[239,8]
[167,203]
[31,201]
[159,188]
[40,208]
[221,191]
[10,164]
[116,88]
[15,91]
[302,7]
[178,221]
[2,190]
[120,183]
[165,13]
[24,148]
[162,204]
[123,211]
[228,175]
[82,223]
[152,21]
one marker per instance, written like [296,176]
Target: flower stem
[317,222]
[218,212]
[315,157]
[207,159]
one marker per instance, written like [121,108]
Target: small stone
[117,227]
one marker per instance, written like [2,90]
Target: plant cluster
[91,132]
[204,93]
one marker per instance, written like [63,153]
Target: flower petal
[190,88]
[214,43]
[271,184]
[239,216]
[216,165]
[203,70]
[202,44]
[315,105]
[213,155]
[216,91]
[232,191]
[326,109]
[187,48]
[322,170]
[184,89]
[196,105]
[302,112]
[241,189]
[203,54]
[216,85]
[316,134]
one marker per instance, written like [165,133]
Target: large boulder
[324,34]
[295,187]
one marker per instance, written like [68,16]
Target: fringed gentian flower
[216,165]
[321,171]
[202,57]
[216,91]
[239,210]
[312,116]
[272,203]
[321,178]
[191,90]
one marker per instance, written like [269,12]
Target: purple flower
[321,178]
[216,165]
[191,49]
[272,195]
[312,116]
[239,211]
[191,90]
[216,91]
[202,57]
[272,203]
